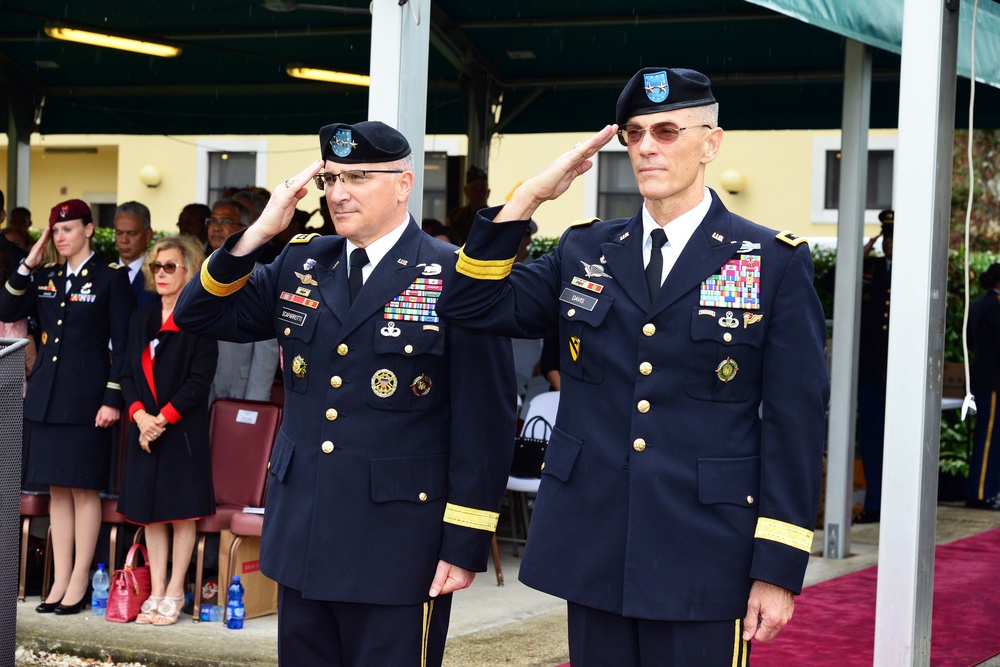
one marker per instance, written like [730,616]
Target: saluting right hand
[34,257]
[278,212]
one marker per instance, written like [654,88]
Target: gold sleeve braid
[215,288]
[483,269]
[784,533]
[470,517]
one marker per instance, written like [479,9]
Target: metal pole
[916,334]
[847,300]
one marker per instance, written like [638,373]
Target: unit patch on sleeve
[737,285]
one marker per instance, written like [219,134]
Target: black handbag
[529,449]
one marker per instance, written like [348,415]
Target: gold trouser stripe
[483,269]
[114,385]
[15,292]
[215,288]
[428,613]
[739,646]
[986,447]
[471,518]
[784,533]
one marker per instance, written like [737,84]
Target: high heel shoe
[168,610]
[47,607]
[70,609]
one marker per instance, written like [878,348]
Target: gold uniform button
[54,358]
[645,368]
[885,327]
[331,414]
[649,329]
[571,312]
[638,444]
[327,447]
[288,331]
[56,340]
[62,305]
[335,382]
[342,350]
[727,336]
[422,496]
[59,322]
[268,465]
[643,406]
[408,349]
[749,500]
[543,465]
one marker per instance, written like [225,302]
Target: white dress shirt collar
[379,248]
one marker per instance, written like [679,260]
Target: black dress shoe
[987,504]
[867,516]
[47,607]
[69,610]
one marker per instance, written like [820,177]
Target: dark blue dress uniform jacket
[74,373]
[664,492]
[366,493]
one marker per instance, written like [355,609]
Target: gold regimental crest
[384,383]
[421,385]
[727,369]
[299,367]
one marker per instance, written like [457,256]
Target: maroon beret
[72,209]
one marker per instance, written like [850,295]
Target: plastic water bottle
[100,582]
[234,606]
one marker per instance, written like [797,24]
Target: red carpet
[834,622]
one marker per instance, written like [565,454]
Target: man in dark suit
[133,233]
[387,476]
[681,482]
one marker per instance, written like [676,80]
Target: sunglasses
[664,133]
[167,268]
[351,178]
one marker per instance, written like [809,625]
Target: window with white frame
[435,185]
[826,178]
[245,163]
[230,170]
[617,194]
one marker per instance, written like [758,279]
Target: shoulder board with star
[584,223]
[789,238]
[116,265]
[303,238]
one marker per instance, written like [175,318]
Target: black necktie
[359,257]
[654,270]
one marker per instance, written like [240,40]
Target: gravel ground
[24,656]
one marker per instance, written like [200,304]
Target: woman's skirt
[72,455]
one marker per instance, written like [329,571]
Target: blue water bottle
[234,607]
[100,582]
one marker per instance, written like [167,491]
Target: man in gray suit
[245,370]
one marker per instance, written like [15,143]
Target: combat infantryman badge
[384,383]
[421,386]
[727,369]
[299,367]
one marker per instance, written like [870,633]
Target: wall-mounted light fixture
[732,181]
[111,41]
[150,176]
[329,76]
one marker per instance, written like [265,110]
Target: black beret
[71,209]
[370,141]
[655,89]
[887,218]
[475,174]
[990,278]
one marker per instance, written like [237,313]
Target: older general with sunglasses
[681,482]
[385,481]
[167,480]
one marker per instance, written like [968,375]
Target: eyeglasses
[351,178]
[167,268]
[664,133]
[220,221]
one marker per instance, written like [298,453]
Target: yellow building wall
[777,166]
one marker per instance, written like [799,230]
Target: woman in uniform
[73,395]
[168,467]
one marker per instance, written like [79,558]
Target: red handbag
[130,586]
